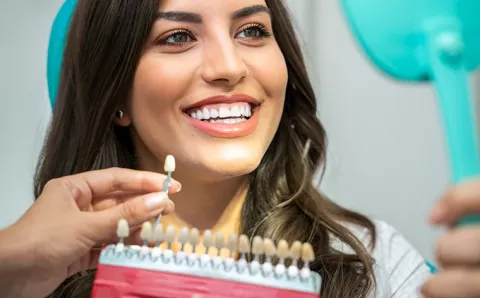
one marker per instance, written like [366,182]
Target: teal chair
[56,45]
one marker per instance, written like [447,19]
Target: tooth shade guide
[169,164]
[199,249]
[174,278]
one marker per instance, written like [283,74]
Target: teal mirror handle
[450,77]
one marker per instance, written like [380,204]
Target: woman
[221,85]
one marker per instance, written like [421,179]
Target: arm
[13,268]
[14,263]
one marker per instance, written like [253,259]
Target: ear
[122,118]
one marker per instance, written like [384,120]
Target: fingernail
[178,185]
[156,201]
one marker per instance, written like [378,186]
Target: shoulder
[399,268]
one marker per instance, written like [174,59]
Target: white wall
[24,31]
[386,154]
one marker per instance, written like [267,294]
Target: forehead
[208,7]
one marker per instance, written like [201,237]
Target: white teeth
[212,115]
[224,112]
[228,121]
[205,114]
[235,112]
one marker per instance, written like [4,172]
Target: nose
[223,64]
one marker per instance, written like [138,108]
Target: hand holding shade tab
[435,41]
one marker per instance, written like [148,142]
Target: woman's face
[209,87]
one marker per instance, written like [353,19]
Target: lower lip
[224,130]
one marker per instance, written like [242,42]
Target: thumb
[135,211]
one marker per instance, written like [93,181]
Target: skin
[220,58]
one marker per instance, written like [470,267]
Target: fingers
[454,283]
[458,251]
[103,224]
[459,247]
[84,186]
[103,203]
[111,200]
[459,202]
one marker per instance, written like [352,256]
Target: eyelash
[164,41]
[263,31]
[261,28]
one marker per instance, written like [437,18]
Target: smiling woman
[222,85]
[209,61]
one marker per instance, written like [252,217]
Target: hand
[458,251]
[57,234]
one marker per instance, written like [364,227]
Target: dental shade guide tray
[203,268]
[422,41]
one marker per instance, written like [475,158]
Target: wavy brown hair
[104,45]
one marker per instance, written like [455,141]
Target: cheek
[270,71]
[158,85]
[276,76]
[154,104]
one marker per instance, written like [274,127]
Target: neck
[205,205]
[202,203]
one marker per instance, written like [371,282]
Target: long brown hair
[103,48]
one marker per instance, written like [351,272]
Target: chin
[232,168]
[230,164]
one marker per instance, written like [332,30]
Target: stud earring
[120,114]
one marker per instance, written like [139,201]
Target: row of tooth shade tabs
[257,248]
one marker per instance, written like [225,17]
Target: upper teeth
[222,112]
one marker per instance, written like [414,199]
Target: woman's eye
[179,37]
[254,31]
[250,33]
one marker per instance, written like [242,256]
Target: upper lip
[218,99]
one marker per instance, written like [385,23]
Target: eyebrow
[250,10]
[189,17]
[180,16]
